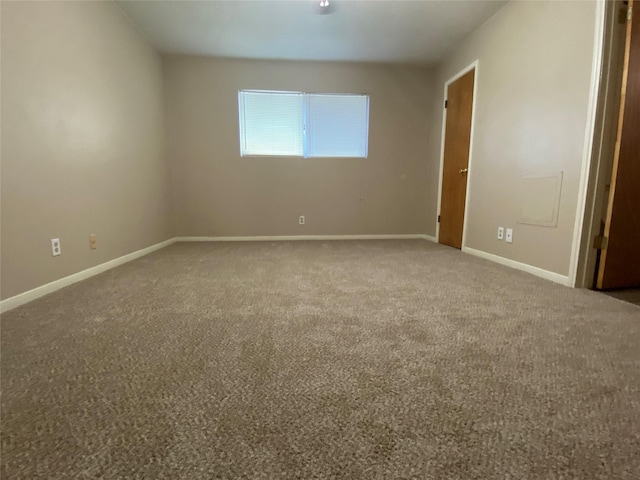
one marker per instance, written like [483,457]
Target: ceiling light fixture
[324,7]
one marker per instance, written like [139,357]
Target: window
[337,125]
[303,125]
[271,123]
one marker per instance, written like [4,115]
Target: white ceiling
[366,30]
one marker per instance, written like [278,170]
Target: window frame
[305,120]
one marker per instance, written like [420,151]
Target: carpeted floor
[631,295]
[312,360]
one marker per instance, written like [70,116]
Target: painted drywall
[533,90]
[82,140]
[219,193]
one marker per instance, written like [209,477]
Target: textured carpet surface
[631,295]
[310,360]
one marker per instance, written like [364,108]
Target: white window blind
[271,123]
[337,125]
[305,125]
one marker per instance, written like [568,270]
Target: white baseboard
[280,238]
[25,297]
[28,296]
[430,238]
[538,272]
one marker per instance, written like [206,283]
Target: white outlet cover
[55,247]
[500,233]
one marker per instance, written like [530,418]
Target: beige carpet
[311,360]
[631,295]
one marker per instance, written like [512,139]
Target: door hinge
[438,218]
[625,14]
[446,102]
[600,242]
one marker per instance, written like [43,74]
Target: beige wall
[218,193]
[533,86]
[82,140]
[84,120]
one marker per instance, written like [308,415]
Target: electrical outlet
[55,247]
[93,241]
[500,233]
[509,238]
[301,220]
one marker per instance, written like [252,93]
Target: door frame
[582,262]
[461,73]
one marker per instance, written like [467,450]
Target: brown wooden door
[456,159]
[620,260]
